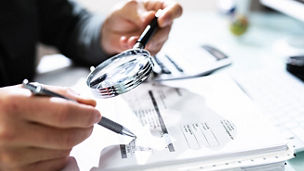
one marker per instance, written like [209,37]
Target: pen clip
[35,89]
[41,91]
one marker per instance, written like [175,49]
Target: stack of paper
[196,124]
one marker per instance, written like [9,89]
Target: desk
[257,49]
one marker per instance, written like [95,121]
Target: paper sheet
[174,125]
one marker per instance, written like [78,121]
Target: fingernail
[167,23]
[159,13]
[97,116]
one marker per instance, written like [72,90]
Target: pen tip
[125,131]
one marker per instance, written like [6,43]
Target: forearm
[84,44]
[73,30]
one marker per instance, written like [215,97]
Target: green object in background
[239,25]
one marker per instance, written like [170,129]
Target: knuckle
[62,153]
[9,159]
[86,133]
[169,16]
[66,152]
[74,138]
[91,115]
[69,140]
[7,135]
[9,104]
[64,113]
[179,8]
[90,130]
[131,2]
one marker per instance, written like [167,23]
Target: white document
[205,123]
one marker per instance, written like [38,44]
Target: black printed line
[123,151]
[175,65]
[160,119]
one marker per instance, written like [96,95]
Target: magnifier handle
[147,34]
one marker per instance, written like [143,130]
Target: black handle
[107,123]
[147,34]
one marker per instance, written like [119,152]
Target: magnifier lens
[121,73]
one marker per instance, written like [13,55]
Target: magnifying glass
[125,71]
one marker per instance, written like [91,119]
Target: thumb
[148,17]
[70,93]
[80,99]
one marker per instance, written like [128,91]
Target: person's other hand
[124,25]
[38,133]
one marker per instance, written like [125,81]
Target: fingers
[131,10]
[112,41]
[128,42]
[36,135]
[147,19]
[154,45]
[61,113]
[127,22]
[154,5]
[121,25]
[24,119]
[42,130]
[171,11]
[14,157]
[158,40]
[72,94]
[53,111]
[48,165]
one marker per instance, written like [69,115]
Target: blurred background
[188,5]
[105,6]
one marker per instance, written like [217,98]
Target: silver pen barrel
[111,125]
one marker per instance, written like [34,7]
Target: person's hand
[124,25]
[38,133]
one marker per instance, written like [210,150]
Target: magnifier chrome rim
[141,75]
[123,87]
[118,88]
[113,91]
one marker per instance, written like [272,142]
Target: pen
[105,122]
